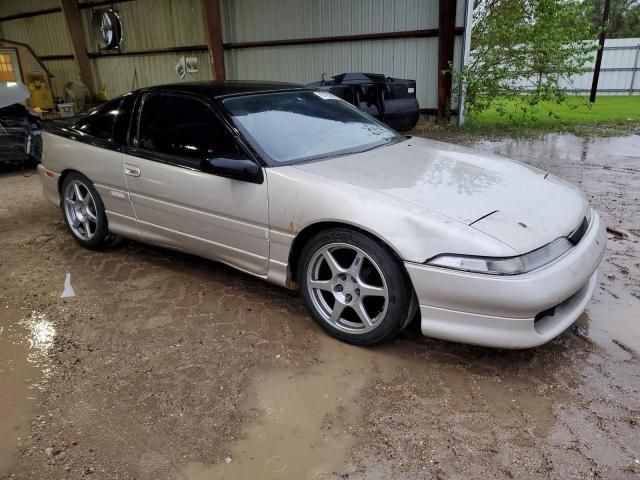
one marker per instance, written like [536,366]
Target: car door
[177,203]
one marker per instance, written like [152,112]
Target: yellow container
[41,96]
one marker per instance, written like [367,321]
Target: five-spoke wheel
[347,288]
[354,287]
[83,211]
[80,210]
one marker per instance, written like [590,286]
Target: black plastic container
[390,100]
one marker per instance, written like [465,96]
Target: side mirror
[237,167]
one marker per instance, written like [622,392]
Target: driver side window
[183,128]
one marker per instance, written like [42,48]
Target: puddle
[615,325]
[23,346]
[608,169]
[605,167]
[299,424]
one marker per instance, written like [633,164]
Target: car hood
[13,92]
[518,205]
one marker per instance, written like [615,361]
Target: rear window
[99,123]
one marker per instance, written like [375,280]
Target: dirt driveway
[166,366]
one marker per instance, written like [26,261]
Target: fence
[619,72]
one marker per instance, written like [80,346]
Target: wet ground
[166,366]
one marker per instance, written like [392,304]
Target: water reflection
[41,335]
[466,178]
[24,344]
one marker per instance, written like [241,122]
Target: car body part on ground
[67,291]
[391,100]
[20,130]
[13,92]
[302,189]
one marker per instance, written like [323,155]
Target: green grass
[609,115]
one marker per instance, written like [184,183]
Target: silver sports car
[302,189]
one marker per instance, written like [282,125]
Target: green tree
[624,17]
[519,45]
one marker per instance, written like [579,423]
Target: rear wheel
[83,211]
[354,287]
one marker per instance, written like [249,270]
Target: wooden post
[74,23]
[213,32]
[603,35]
[446,37]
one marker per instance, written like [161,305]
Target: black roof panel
[230,87]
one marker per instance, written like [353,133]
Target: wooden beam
[74,23]
[213,32]
[447,19]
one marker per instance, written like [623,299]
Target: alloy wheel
[80,210]
[347,288]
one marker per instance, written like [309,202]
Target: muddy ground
[166,366]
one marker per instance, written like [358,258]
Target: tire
[363,278]
[84,212]
[114,241]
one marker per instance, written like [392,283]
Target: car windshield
[291,127]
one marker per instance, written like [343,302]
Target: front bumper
[510,311]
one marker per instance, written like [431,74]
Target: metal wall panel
[415,58]
[148,25]
[153,24]
[117,73]
[256,20]
[46,34]
[13,7]
[63,71]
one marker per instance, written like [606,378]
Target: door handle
[131,170]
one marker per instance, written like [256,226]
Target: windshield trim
[299,161]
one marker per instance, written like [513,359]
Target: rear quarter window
[100,123]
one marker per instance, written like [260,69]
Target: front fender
[298,199]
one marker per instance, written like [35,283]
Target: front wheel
[83,211]
[354,287]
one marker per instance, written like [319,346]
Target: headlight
[505,265]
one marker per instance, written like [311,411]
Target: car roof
[226,88]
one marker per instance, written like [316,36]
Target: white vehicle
[303,190]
